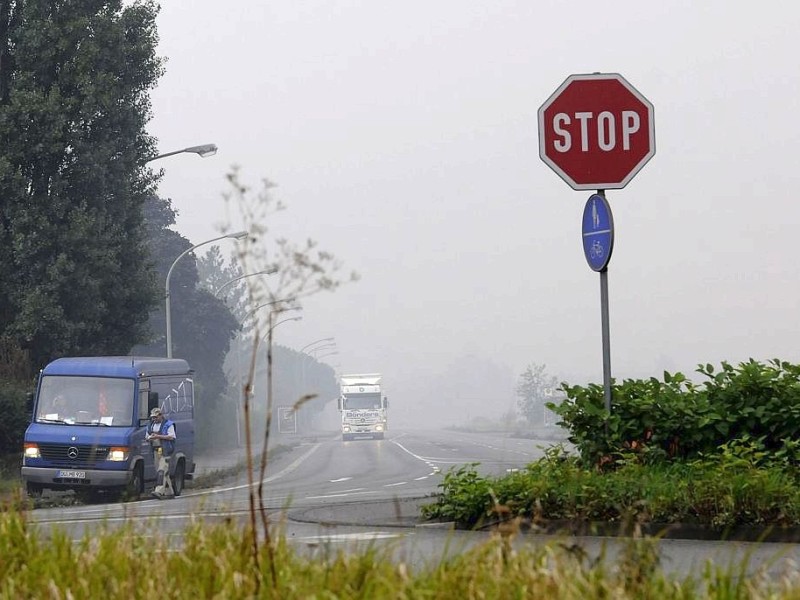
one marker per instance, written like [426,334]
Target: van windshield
[74,400]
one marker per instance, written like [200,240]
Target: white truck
[363,406]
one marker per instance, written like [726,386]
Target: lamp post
[203,151]
[300,318]
[315,342]
[273,302]
[312,353]
[319,358]
[240,277]
[268,339]
[255,348]
[238,418]
[237,236]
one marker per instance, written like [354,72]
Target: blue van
[90,416]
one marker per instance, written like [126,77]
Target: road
[327,493]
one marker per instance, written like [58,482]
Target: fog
[403,138]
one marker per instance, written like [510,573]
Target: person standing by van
[161,435]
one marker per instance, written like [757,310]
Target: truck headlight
[346,428]
[379,427]
[118,454]
[32,451]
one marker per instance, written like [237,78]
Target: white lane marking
[348,537]
[278,475]
[340,495]
[421,478]
[417,456]
[394,484]
[340,479]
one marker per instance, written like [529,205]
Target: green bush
[15,416]
[726,491]
[675,419]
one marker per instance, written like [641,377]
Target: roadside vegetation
[722,453]
[216,562]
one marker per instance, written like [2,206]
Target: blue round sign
[598,232]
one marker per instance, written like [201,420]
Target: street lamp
[252,312]
[235,279]
[330,345]
[328,339]
[313,351]
[239,375]
[237,236]
[238,352]
[203,151]
[300,318]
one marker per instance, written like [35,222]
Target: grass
[9,475]
[216,561]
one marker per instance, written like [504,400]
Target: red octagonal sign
[596,131]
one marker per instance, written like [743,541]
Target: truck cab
[363,406]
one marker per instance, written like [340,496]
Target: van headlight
[118,454]
[32,451]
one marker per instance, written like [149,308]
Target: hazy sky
[403,138]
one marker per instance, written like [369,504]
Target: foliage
[214,563]
[15,416]
[675,419]
[534,389]
[729,490]
[74,79]
[216,274]
[202,326]
[300,271]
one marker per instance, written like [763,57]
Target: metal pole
[606,338]
[238,235]
[240,277]
[606,331]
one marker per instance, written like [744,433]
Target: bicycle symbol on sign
[596,250]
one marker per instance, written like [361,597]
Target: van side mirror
[29,403]
[385,402]
[339,403]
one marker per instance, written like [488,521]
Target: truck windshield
[73,400]
[362,401]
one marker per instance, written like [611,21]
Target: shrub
[15,416]
[675,419]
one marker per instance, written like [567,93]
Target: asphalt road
[326,493]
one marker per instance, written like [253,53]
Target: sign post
[596,131]
[598,244]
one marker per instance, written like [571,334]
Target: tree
[202,325]
[534,388]
[74,82]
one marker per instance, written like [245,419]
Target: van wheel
[178,478]
[135,486]
[34,490]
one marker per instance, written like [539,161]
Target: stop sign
[596,131]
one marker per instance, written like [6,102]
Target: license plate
[72,474]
